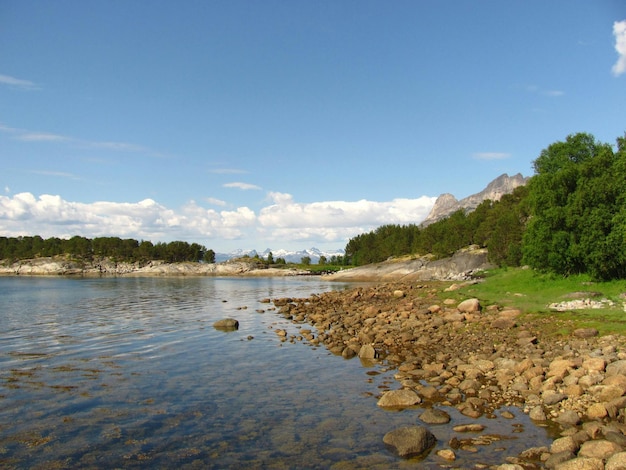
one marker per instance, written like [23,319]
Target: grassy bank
[532,292]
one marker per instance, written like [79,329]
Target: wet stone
[435,416]
[226,324]
[410,441]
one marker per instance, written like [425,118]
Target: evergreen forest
[569,219]
[14,248]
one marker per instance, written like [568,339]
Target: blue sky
[287,124]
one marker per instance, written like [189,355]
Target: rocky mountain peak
[447,204]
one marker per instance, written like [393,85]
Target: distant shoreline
[55,266]
[461,266]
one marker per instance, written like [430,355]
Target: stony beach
[448,351]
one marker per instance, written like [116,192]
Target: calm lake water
[129,372]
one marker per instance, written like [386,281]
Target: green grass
[532,292]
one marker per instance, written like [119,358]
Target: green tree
[322,261]
[305,260]
[270,258]
[209,256]
[79,247]
[576,201]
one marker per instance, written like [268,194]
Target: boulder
[619,380]
[446,454]
[399,399]
[504,323]
[615,368]
[469,306]
[581,463]
[226,324]
[564,444]
[594,363]
[468,428]
[558,458]
[537,414]
[435,416]
[616,461]
[596,411]
[606,392]
[550,397]
[599,449]
[367,351]
[410,441]
[585,332]
[568,418]
[616,437]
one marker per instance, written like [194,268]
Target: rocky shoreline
[460,266]
[480,359]
[62,266]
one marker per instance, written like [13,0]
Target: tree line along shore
[569,219]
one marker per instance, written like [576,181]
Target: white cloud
[242,186]
[215,201]
[283,223]
[18,82]
[41,137]
[540,91]
[25,135]
[619,31]
[491,155]
[60,174]
[118,146]
[280,198]
[337,220]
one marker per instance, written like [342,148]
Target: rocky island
[66,266]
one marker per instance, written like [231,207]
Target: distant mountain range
[288,256]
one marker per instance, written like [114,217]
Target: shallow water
[129,372]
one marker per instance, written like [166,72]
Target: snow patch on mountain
[288,256]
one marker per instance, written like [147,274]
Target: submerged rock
[226,324]
[435,416]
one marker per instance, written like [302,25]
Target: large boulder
[469,306]
[226,324]
[410,441]
[367,351]
[399,399]
[615,368]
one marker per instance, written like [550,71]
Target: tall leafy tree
[574,199]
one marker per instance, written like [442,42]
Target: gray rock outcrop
[461,266]
[447,204]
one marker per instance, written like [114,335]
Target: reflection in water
[129,372]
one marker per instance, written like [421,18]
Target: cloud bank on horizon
[326,224]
